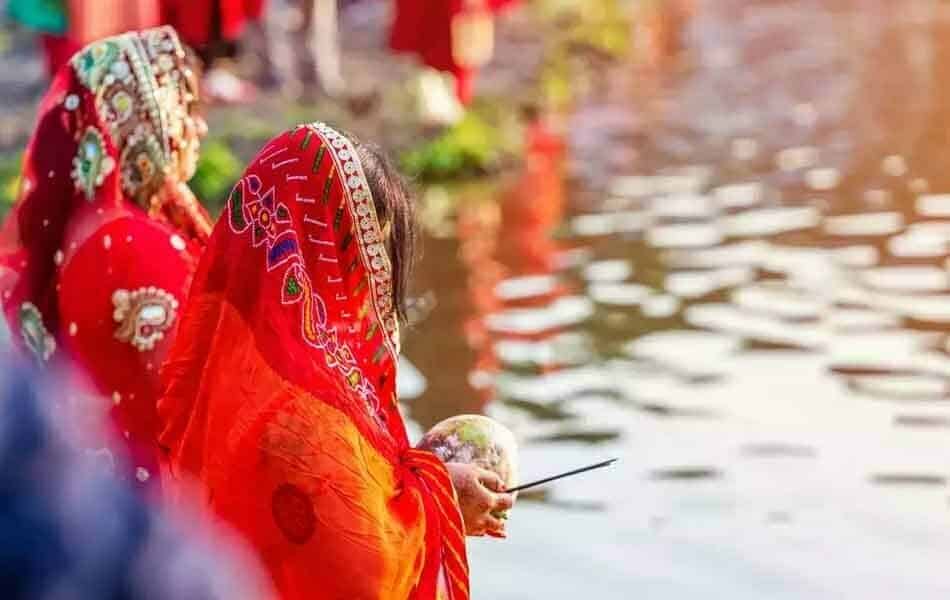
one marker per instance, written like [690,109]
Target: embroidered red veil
[280,388]
[98,251]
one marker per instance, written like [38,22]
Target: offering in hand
[476,439]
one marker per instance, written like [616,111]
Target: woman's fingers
[491,480]
[500,502]
[493,524]
[503,502]
[482,499]
[492,527]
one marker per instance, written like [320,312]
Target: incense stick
[599,465]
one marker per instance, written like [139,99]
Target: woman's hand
[480,494]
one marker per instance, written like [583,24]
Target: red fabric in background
[57,50]
[91,20]
[195,19]
[424,28]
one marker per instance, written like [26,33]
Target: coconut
[476,439]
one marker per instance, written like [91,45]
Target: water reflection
[752,309]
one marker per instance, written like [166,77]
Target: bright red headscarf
[99,250]
[280,396]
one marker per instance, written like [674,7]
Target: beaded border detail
[359,201]
[141,92]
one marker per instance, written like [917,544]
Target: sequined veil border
[141,89]
[373,252]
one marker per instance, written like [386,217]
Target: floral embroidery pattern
[252,208]
[141,160]
[35,335]
[92,65]
[91,164]
[298,288]
[143,315]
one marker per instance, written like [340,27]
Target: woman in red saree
[213,28]
[429,29]
[99,250]
[280,388]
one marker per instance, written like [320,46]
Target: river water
[737,283]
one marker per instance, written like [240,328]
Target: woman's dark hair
[397,215]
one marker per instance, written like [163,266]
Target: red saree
[280,388]
[96,255]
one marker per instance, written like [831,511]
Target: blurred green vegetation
[9,179]
[598,25]
[6,40]
[473,147]
[218,169]
[236,134]
[583,35]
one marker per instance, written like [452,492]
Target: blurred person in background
[314,30]
[281,386]
[454,37]
[65,26]
[317,32]
[478,228]
[535,203]
[505,246]
[214,29]
[661,28]
[70,529]
[48,19]
[92,20]
[98,252]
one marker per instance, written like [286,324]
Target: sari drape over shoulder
[93,266]
[280,388]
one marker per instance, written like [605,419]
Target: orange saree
[280,388]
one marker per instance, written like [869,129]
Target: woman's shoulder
[119,292]
[105,227]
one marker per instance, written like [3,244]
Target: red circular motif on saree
[293,513]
